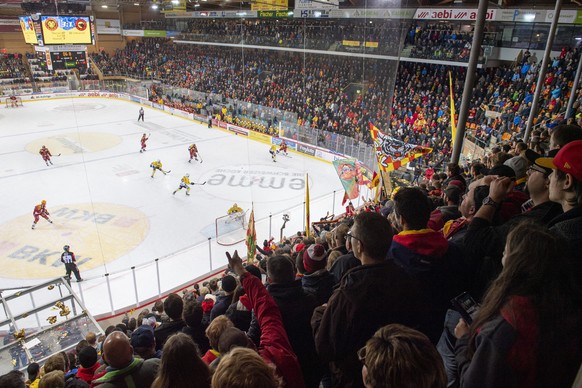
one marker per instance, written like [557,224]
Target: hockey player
[46,155]
[235,212]
[68,258]
[273,152]
[40,211]
[184,184]
[193,152]
[141,113]
[157,165]
[144,138]
[283,148]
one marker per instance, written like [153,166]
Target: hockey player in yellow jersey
[157,165]
[273,152]
[236,213]
[184,184]
[235,209]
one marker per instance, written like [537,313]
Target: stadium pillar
[469,80]
[543,68]
[569,112]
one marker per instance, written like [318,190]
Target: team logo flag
[393,153]
[347,171]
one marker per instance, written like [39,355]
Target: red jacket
[86,374]
[275,347]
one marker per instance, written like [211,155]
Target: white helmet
[158,161]
[187,175]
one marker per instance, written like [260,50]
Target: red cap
[567,160]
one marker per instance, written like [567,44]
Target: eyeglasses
[350,235]
[536,169]
[362,355]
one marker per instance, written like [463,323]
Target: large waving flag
[393,153]
[347,171]
[307,223]
[453,124]
[251,238]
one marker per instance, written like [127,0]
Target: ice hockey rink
[114,216]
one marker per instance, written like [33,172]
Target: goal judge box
[231,229]
[12,102]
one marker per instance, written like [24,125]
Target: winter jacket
[319,284]
[569,226]
[439,268]
[296,308]
[197,334]
[86,374]
[275,347]
[138,373]
[342,265]
[166,329]
[369,297]
[220,306]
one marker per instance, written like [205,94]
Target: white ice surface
[179,226]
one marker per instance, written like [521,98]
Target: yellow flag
[307,224]
[453,125]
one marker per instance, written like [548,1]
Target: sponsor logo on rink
[305,149]
[98,234]
[257,177]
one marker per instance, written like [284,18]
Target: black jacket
[166,329]
[319,284]
[342,265]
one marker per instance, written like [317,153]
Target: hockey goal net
[231,229]
[13,102]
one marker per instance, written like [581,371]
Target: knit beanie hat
[87,357]
[228,283]
[314,258]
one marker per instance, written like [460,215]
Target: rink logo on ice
[258,178]
[75,143]
[98,234]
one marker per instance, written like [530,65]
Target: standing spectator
[317,280]
[192,316]
[228,285]
[213,332]
[181,365]
[354,313]
[173,306]
[527,330]
[89,365]
[143,342]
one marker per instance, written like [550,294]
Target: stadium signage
[273,14]
[306,149]
[310,4]
[451,14]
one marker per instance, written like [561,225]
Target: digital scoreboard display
[68,29]
[65,60]
[28,31]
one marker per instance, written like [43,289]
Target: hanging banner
[347,172]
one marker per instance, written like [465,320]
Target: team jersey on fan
[156,164]
[185,180]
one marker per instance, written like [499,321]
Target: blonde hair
[54,379]
[216,328]
[244,368]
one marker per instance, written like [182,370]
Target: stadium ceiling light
[104,6]
[154,6]
[136,4]
[176,2]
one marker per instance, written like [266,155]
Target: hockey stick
[166,172]
[201,184]
[200,158]
[58,155]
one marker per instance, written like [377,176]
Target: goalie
[235,212]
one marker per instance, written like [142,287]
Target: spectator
[426,256]
[338,244]
[353,313]
[244,368]
[192,315]
[344,263]
[89,365]
[124,369]
[224,299]
[173,306]
[181,365]
[526,332]
[33,371]
[564,134]
[13,379]
[317,280]
[398,356]
[54,379]
[143,342]
[213,332]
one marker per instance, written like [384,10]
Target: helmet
[43,202]
[158,161]
[66,247]
[43,146]
[187,175]
[235,204]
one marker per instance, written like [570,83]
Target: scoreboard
[64,60]
[58,30]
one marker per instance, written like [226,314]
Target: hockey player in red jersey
[40,211]
[283,148]
[46,155]
[193,152]
[144,138]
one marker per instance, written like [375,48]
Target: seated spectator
[527,330]
[173,306]
[354,313]
[274,345]
[244,368]
[13,379]
[317,280]
[143,342]
[181,365]
[213,332]
[398,356]
[54,379]
[124,369]
[192,315]
[426,256]
[89,365]
[33,371]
